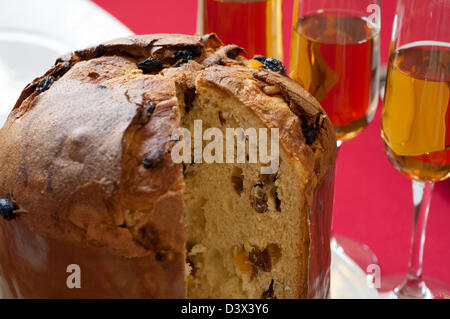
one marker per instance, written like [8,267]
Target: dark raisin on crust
[99,50]
[150,65]
[148,236]
[150,107]
[154,158]
[160,256]
[45,83]
[309,131]
[7,209]
[261,259]
[66,67]
[271,64]
[260,58]
[147,112]
[234,53]
[269,294]
[195,51]
[258,198]
[189,97]
[183,55]
[274,65]
[187,54]
[59,60]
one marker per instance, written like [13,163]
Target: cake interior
[245,231]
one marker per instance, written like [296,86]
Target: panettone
[88,180]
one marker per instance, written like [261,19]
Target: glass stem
[334,243]
[414,287]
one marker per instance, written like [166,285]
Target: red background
[373,201]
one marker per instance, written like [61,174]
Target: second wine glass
[335,54]
[416,122]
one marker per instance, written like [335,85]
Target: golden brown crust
[72,155]
[237,81]
[308,109]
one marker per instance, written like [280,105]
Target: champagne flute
[335,54]
[255,25]
[416,120]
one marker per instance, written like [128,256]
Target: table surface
[373,201]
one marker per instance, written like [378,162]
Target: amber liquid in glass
[416,112]
[336,57]
[255,25]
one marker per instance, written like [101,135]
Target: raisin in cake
[87,178]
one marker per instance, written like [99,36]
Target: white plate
[348,281]
[34,33]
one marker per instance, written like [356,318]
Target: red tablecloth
[373,201]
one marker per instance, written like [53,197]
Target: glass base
[361,254]
[392,287]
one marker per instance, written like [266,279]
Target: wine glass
[259,24]
[416,120]
[335,54]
